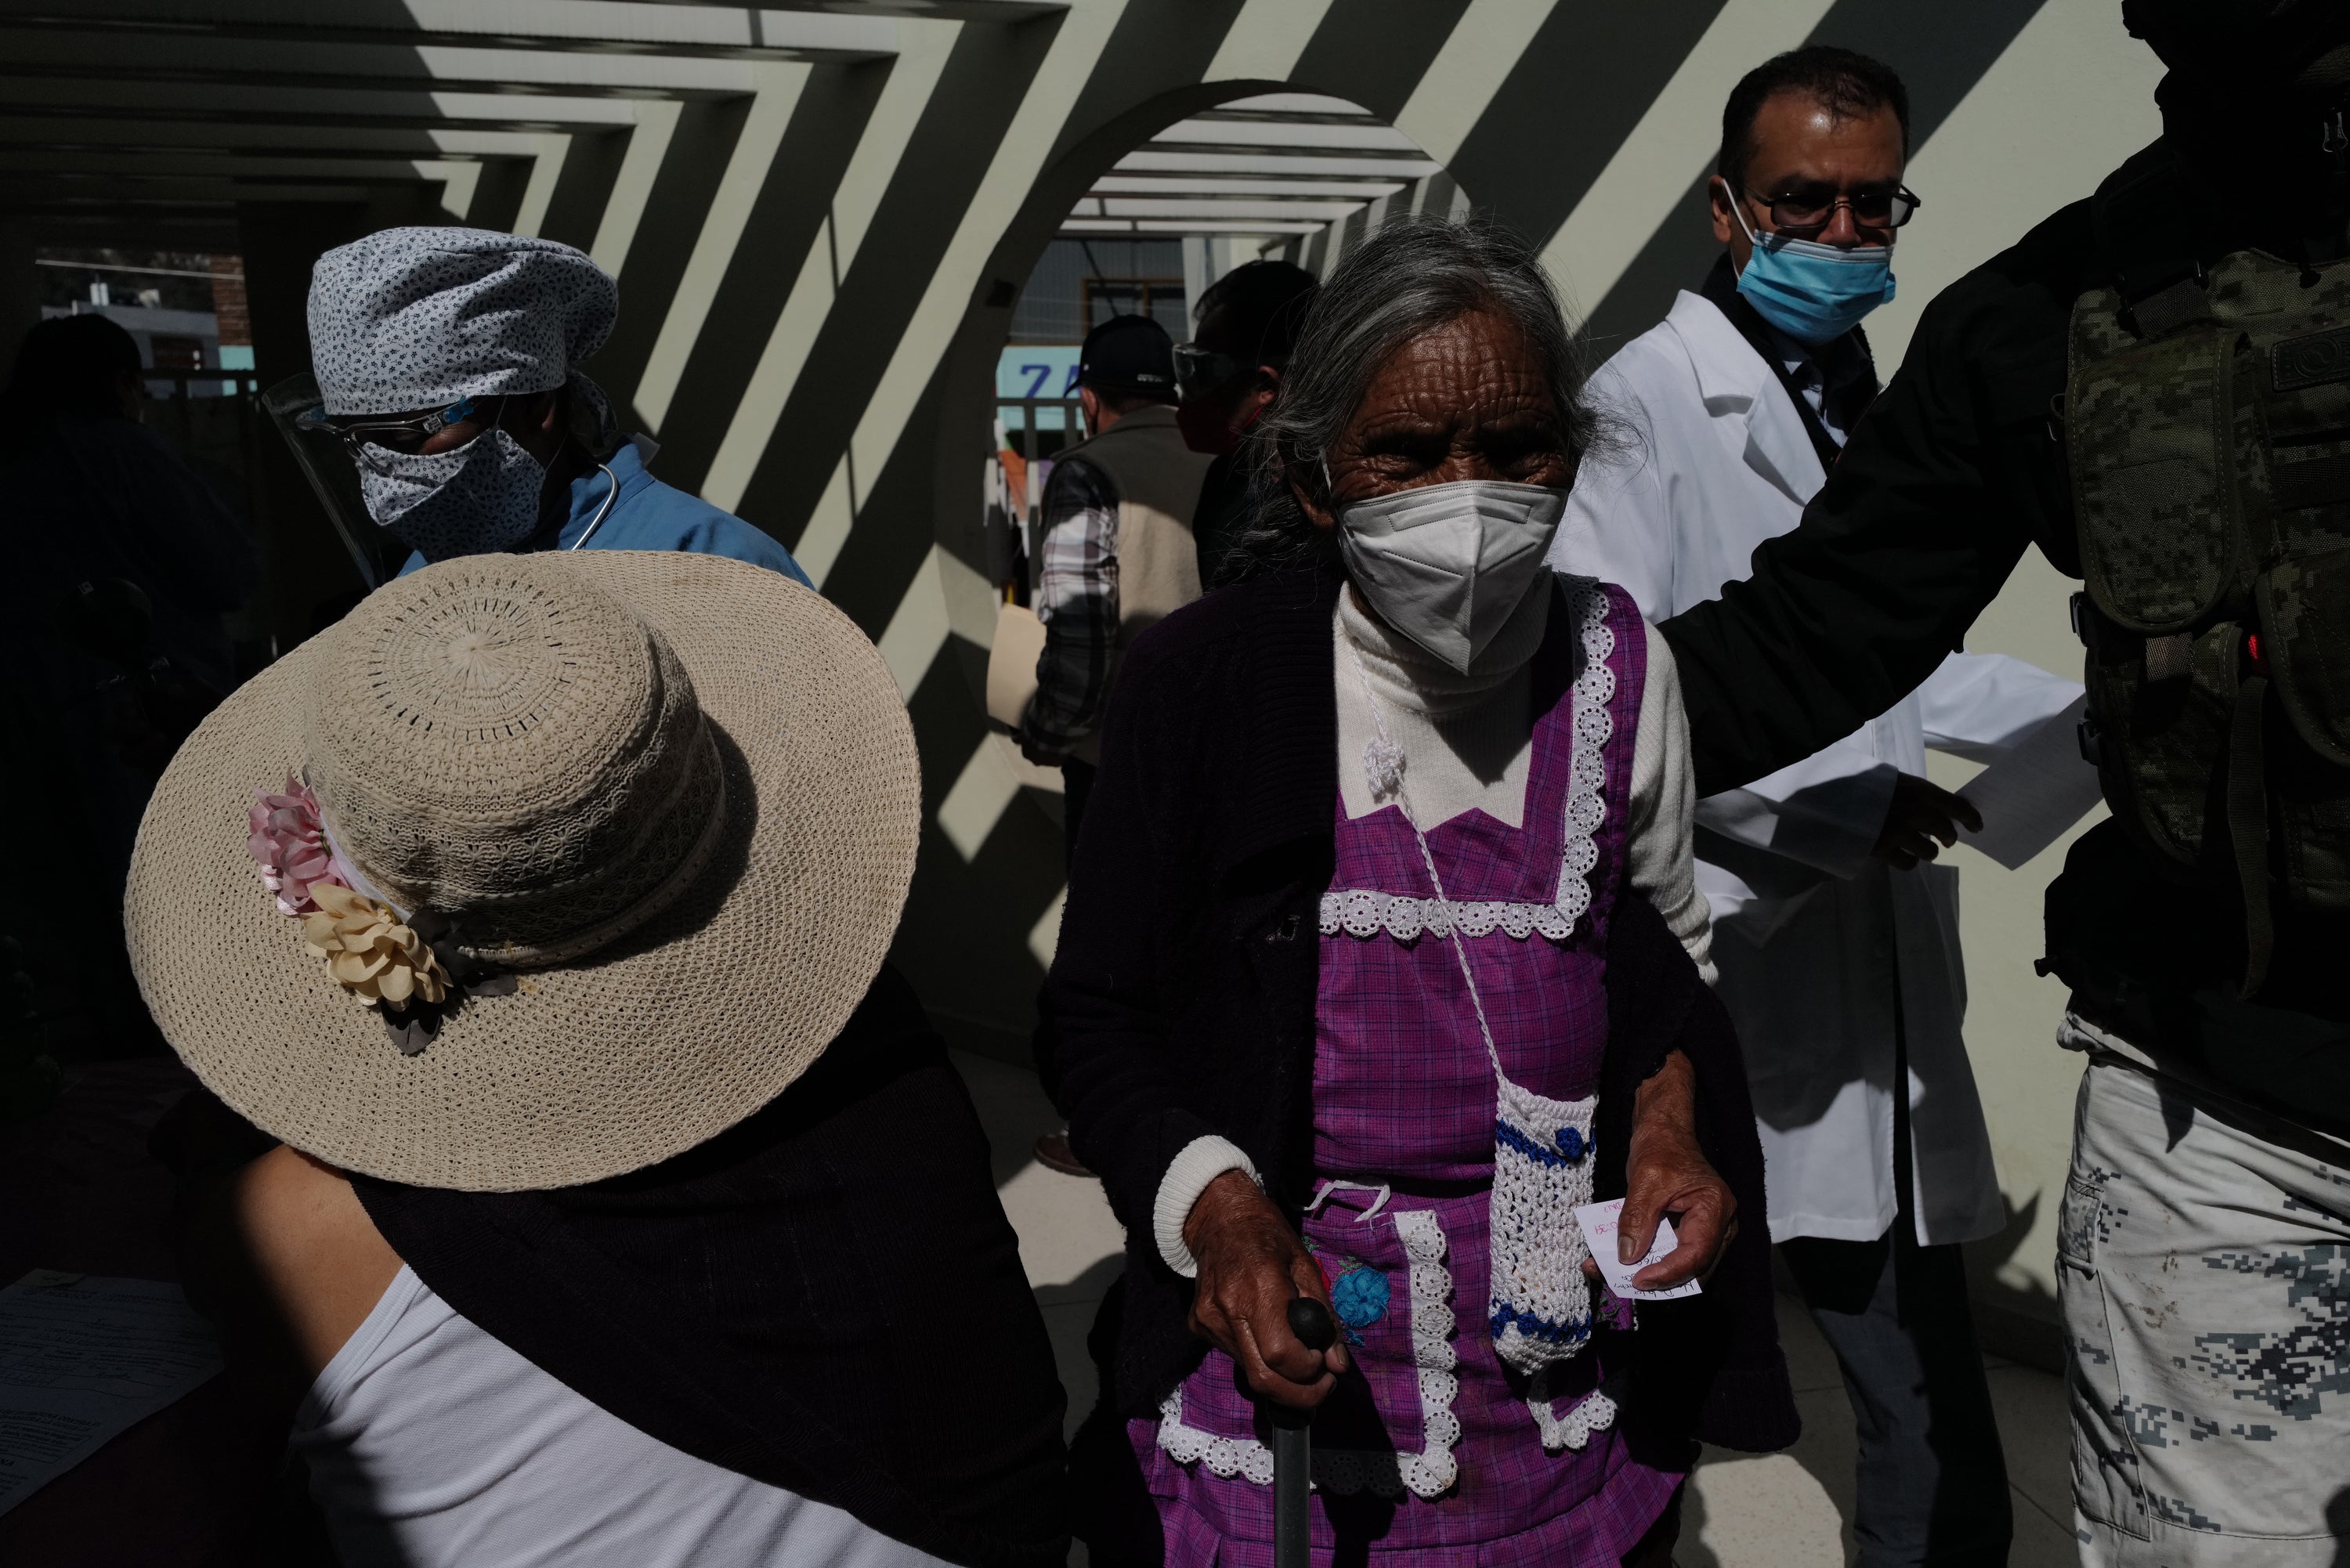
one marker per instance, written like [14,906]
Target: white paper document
[2030,796]
[82,1358]
[1598,1222]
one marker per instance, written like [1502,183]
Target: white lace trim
[1365,912]
[1425,1474]
[1594,1412]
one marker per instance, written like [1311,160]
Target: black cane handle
[1309,1320]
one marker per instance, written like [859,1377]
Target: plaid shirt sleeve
[1076,599]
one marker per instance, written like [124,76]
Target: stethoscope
[610,496]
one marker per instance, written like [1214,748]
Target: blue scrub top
[650,515]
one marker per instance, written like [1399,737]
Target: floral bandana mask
[471,499]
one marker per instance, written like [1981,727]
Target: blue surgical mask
[1813,293]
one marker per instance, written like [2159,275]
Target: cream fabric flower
[369,951]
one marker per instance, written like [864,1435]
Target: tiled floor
[1791,1510]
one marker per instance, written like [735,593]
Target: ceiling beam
[66,133]
[1206,185]
[308,105]
[608,26]
[137,163]
[1153,161]
[284,62]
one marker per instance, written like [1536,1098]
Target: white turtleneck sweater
[1468,743]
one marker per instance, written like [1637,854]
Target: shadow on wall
[2018,1322]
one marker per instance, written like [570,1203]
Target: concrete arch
[1002,850]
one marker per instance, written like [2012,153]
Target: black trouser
[1932,1477]
[1076,783]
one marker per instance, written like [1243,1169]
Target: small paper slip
[1598,1222]
[82,1359]
[2030,796]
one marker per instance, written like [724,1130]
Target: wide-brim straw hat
[670,802]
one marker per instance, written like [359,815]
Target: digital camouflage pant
[2205,1277]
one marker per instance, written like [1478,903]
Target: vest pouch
[2304,614]
[2156,739]
[2151,442]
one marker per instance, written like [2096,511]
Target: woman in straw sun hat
[619,1204]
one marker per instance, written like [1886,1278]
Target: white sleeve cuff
[1187,1174]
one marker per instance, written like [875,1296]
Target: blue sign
[1035,370]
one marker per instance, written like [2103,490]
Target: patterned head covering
[415,318]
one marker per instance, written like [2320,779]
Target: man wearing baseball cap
[1116,553]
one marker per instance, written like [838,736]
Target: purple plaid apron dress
[1429,1447]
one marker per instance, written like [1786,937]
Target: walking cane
[1293,1446]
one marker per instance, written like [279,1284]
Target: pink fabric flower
[290,846]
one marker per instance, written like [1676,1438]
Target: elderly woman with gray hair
[1382,958]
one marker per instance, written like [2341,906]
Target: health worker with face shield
[1383,955]
[1836,938]
[447,360]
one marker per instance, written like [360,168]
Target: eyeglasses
[1808,208]
[366,437]
[1199,372]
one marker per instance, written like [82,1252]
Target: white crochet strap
[1427,1473]
[1365,912]
[1594,1412]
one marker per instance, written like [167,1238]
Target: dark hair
[1847,84]
[1263,305]
[1412,277]
[70,367]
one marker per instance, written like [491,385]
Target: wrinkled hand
[1918,814]
[1667,1174]
[1251,1266]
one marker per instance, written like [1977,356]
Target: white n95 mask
[471,499]
[1446,564]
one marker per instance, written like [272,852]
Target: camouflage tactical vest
[2208,429]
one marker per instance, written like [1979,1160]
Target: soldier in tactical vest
[2154,387]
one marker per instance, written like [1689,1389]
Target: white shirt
[1812,936]
[432,1444]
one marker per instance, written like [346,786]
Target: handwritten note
[1598,1222]
[82,1358]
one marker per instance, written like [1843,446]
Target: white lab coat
[1812,934]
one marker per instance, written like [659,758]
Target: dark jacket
[1958,467]
[1182,1002]
[825,1298]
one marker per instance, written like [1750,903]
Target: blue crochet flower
[1572,1143]
[1361,1296]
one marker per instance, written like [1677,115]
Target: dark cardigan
[825,1298]
[1182,1002]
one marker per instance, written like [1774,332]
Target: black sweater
[1182,1002]
[827,1298]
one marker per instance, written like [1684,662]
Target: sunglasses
[1200,371]
[368,438]
[1810,207]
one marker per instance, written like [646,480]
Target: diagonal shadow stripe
[782,222]
[1941,52]
[979,92]
[1568,103]
[1374,52]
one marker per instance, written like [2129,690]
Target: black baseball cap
[1131,356]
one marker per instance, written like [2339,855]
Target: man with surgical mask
[1837,947]
[448,359]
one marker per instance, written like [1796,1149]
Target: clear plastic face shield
[324,456]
